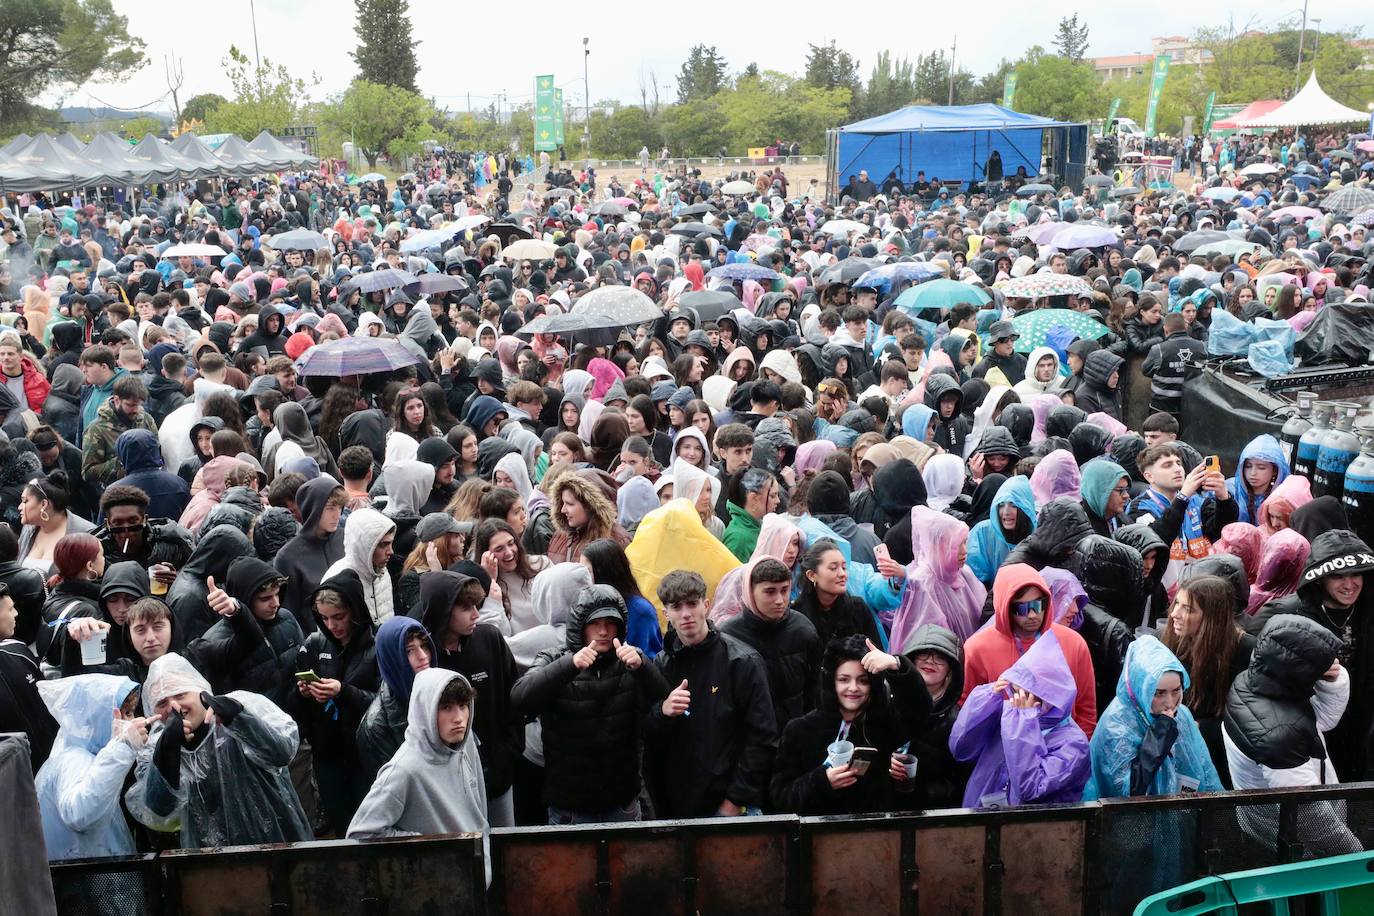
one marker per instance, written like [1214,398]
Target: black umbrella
[429,284]
[1197,239]
[708,304]
[507,231]
[848,270]
[696,229]
[390,278]
[696,210]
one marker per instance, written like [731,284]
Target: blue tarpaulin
[946,142]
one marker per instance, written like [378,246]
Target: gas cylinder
[1358,497]
[1339,447]
[1299,423]
[1310,442]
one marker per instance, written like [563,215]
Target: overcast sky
[460,54]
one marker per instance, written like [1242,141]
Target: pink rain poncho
[1280,568]
[1244,542]
[1041,405]
[940,588]
[1056,475]
[1294,493]
[776,536]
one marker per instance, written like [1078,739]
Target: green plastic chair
[1342,884]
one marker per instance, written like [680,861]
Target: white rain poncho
[78,787]
[235,788]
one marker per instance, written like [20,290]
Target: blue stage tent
[953,143]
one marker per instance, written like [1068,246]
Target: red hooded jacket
[992,650]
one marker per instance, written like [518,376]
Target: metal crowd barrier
[1099,857]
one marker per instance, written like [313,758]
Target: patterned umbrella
[1034,325]
[757,241]
[355,356]
[1085,235]
[941,294]
[1037,286]
[743,272]
[623,304]
[899,272]
[1350,199]
[1298,213]
[390,278]
[1364,219]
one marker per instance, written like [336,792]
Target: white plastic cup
[93,649]
[908,762]
[839,753]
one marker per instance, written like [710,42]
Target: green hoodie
[742,533]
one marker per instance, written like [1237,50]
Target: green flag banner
[1156,92]
[1207,118]
[1009,89]
[1111,112]
[558,117]
[545,113]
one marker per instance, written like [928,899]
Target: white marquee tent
[1310,106]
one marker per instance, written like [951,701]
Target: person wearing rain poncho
[940,588]
[1261,468]
[1018,729]
[78,787]
[433,785]
[216,765]
[1011,518]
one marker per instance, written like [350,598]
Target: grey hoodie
[429,787]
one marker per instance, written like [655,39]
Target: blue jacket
[141,458]
[1262,448]
[987,542]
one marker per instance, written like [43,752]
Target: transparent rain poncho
[235,788]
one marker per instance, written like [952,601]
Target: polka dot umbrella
[1035,325]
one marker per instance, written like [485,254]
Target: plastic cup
[155,585]
[839,753]
[908,762]
[93,649]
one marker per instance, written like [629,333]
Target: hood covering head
[138,450]
[1056,475]
[1125,448]
[367,428]
[422,730]
[1100,477]
[897,487]
[438,593]
[1244,542]
[1281,565]
[84,709]
[1088,441]
[1261,448]
[944,480]
[1112,574]
[593,603]
[556,589]
[272,530]
[1324,513]
[482,410]
[362,533]
[391,653]
[311,500]
[940,589]
[1286,498]
[1062,420]
[1019,420]
[1044,671]
[408,484]
[170,676]
[1337,552]
[350,587]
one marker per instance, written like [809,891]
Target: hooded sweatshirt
[383,726]
[1249,504]
[141,458]
[306,557]
[429,787]
[1029,386]
[364,530]
[1024,756]
[992,650]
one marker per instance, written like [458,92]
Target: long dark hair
[611,567]
[1207,654]
[398,415]
[489,529]
[339,404]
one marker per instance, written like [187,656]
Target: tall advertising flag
[1111,111]
[1156,92]
[558,117]
[545,113]
[1009,89]
[1207,117]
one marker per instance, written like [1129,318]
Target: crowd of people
[790,546]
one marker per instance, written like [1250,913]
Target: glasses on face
[1122,491]
[1022,608]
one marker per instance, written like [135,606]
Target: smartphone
[881,553]
[308,677]
[1213,464]
[863,758]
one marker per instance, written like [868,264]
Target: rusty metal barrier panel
[395,877]
[668,868]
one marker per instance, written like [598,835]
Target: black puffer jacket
[331,729]
[898,708]
[791,652]
[1062,524]
[1139,337]
[1155,597]
[940,779]
[27,589]
[724,749]
[212,556]
[1095,396]
[1019,420]
[591,717]
[243,652]
[1269,713]
[1339,551]
[1111,574]
[164,542]
[949,433]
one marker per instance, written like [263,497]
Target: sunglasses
[1022,608]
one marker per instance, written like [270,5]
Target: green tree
[1071,40]
[198,107]
[1056,87]
[702,75]
[698,129]
[761,109]
[625,132]
[829,67]
[380,119]
[266,97]
[891,85]
[59,44]
[386,52]
[138,128]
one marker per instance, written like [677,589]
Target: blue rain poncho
[1123,727]
[1261,448]
[987,542]
[235,787]
[78,787]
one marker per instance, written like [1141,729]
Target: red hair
[70,556]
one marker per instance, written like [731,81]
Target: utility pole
[952,52]
[586,95]
[1316,38]
[1297,73]
[257,57]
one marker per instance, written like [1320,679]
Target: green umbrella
[941,294]
[1034,325]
